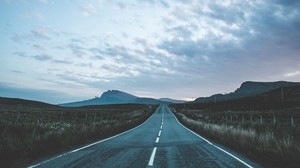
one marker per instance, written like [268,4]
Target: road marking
[193,131]
[150,163]
[157,140]
[214,145]
[152,156]
[233,156]
[84,147]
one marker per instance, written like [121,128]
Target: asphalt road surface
[160,142]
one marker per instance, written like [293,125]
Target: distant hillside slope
[23,102]
[273,99]
[172,100]
[115,97]
[247,89]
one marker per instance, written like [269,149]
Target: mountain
[248,88]
[115,97]
[172,100]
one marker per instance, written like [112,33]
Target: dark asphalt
[160,142]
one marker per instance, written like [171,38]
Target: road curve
[160,142]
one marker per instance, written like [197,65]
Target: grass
[32,132]
[258,142]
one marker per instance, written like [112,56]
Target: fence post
[292,121]
[61,116]
[251,119]
[76,116]
[261,119]
[274,119]
[85,117]
[95,118]
[17,119]
[243,119]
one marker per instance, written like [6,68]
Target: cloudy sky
[60,51]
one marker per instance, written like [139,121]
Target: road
[159,142]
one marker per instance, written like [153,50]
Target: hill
[172,100]
[288,97]
[248,88]
[115,97]
[4,101]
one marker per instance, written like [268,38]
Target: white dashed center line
[152,157]
[156,141]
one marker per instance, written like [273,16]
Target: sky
[67,50]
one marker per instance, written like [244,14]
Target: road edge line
[192,131]
[223,150]
[89,145]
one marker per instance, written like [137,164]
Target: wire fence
[230,117]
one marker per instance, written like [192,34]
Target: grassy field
[31,130]
[265,128]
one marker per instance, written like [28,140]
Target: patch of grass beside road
[262,146]
[29,133]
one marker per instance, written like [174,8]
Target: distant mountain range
[172,100]
[119,97]
[248,88]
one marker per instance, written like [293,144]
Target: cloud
[40,33]
[289,3]
[181,47]
[89,65]
[77,46]
[62,61]
[46,57]
[77,49]
[17,72]
[34,15]
[87,10]
[38,47]
[181,31]
[228,27]
[37,33]
[122,5]
[292,74]
[20,54]
[162,3]
[42,57]
[46,1]
[20,38]
[140,40]
[69,78]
